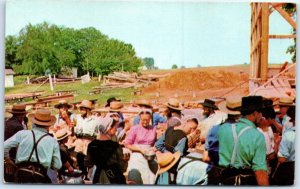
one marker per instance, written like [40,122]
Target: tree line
[43,47]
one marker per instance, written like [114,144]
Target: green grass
[82,90]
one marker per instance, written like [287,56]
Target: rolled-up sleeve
[259,160]
[159,144]
[11,143]
[56,160]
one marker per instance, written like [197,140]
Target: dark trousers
[233,176]
[80,161]
[31,173]
[284,174]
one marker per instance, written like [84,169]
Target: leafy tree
[291,9]
[174,66]
[149,63]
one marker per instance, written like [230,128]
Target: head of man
[42,118]
[209,107]
[144,104]
[85,108]
[145,117]
[18,111]
[284,104]
[252,107]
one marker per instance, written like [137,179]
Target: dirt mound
[194,80]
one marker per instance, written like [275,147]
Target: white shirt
[86,125]
[269,138]
[214,119]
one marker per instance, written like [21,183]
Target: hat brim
[173,107]
[83,106]
[17,112]
[41,123]
[101,110]
[222,106]
[285,104]
[209,105]
[58,105]
[65,136]
[116,110]
[143,104]
[168,167]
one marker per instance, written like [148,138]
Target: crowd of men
[234,141]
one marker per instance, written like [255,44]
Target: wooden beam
[282,36]
[264,41]
[285,15]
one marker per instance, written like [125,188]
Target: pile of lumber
[45,79]
[128,80]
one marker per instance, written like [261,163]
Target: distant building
[9,78]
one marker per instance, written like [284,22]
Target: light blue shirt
[48,148]
[287,145]
[192,173]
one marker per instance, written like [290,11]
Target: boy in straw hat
[284,104]
[37,150]
[242,148]
[86,130]
[62,137]
[230,106]
[174,112]
[64,118]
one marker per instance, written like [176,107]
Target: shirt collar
[39,128]
[247,122]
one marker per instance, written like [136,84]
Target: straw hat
[62,134]
[61,103]
[209,103]
[86,104]
[115,106]
[167,160]
[18,109]
[232,105]
[286,101]
[42,117]
[144,102]
[173,103]
[111,99]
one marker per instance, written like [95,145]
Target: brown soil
[199,83]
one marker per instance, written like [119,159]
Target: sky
[182,33]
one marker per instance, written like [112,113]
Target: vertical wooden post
[50,81]
[264,41]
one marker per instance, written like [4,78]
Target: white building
[9,78]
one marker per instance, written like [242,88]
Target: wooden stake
[50,81]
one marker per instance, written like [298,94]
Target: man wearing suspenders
[242,148]
[37,151]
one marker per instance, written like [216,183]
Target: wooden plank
[264,42]
[285,15]
[282,36]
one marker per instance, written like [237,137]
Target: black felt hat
[252,103]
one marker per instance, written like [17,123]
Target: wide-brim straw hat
[116,106]
[100,110]
[167,160]
[61,103]
[209,103]
[42,117]
[86,104]
[62,134]
[174,104]
[18,109]
[232,105]
[144,102]
[286,101]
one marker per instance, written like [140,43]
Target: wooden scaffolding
[260,36]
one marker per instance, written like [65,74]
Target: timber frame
[260,36]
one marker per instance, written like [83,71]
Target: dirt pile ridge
[194,80]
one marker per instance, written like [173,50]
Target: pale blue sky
[182,33]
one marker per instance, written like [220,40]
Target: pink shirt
[141,135]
